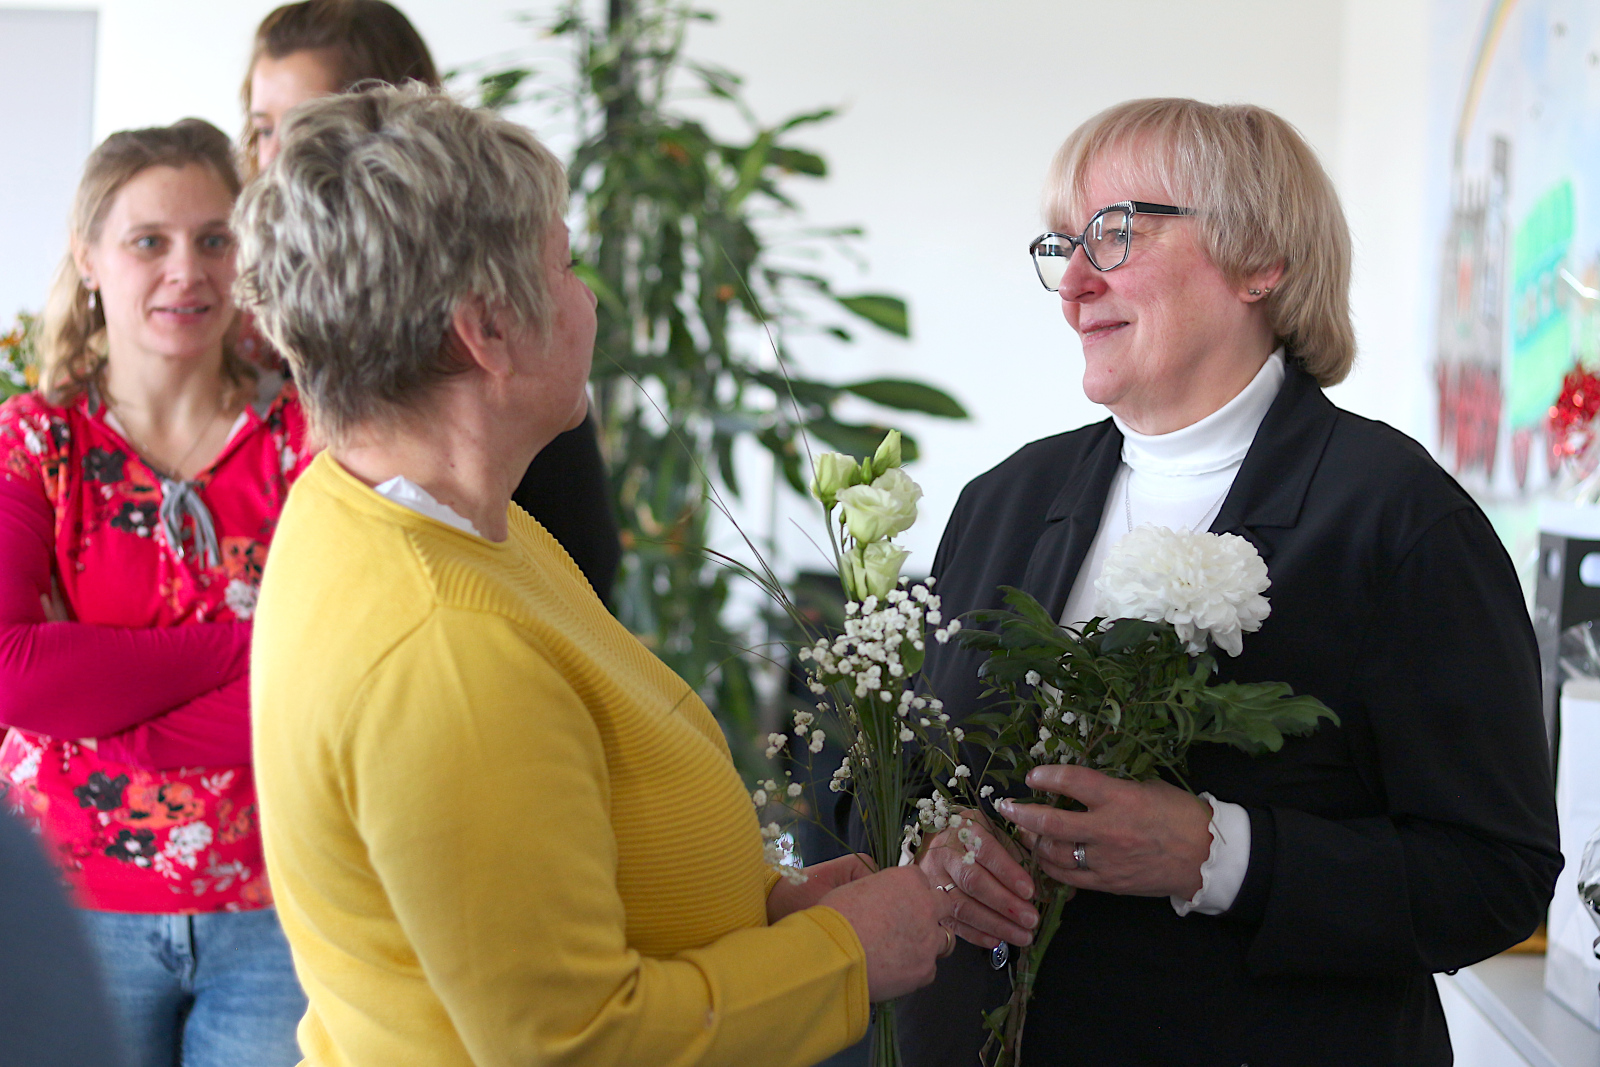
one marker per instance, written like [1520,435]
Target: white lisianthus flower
[874,569]
[1208,586]
[833,471]
[886,507]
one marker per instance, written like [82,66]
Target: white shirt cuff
[1222,874]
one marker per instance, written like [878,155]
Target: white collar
[409,494]
[1216,442]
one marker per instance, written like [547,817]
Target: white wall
[46,101]
[952,109]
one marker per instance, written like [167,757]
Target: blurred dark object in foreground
[53,1010]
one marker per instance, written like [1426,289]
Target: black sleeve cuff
[1250,906]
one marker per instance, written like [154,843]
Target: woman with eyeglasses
[1296,910]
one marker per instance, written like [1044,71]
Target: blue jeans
[212,990]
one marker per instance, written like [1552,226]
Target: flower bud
[888,454]
[834,471]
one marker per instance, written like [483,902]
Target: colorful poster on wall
[1517,117]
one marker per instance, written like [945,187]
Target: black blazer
[1417,836]
[566,489]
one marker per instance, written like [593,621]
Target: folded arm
[70,679]
[212,730]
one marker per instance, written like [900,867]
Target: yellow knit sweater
[499,830]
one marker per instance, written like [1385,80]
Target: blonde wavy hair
[72,342]
[1261,198]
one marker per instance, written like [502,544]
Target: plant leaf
[906,395]
[883,311]
[497,90]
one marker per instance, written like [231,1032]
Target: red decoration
[1570,424]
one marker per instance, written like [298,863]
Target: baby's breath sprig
[863,676]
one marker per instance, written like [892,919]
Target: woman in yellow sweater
[499,830]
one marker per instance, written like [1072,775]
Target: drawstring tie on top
[180,499]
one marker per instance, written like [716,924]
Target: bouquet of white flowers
[862,676]
[1126,694]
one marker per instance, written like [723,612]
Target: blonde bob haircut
[1260,197]
[383,210]
[72,344]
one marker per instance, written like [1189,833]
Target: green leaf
[908,396]
[1126,633]
[497,90]
[912,656]
[806,118]
[883,311]
[799,161]
[1026,606]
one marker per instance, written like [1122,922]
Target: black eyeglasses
[1105,241]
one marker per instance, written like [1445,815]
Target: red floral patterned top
[153,663]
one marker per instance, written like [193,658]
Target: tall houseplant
[676,241]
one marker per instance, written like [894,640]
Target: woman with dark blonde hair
[140,487]
[319,47]
[1296,910]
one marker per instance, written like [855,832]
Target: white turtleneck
[1179,480]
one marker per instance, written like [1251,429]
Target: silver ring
[945,888]
[1080,857]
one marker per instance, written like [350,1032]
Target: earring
[94,295]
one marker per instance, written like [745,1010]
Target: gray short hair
[383,210]
[1261,198]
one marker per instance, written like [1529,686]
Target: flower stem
[1006,1050]
[885,1036]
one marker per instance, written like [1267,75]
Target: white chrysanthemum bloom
[1208,586]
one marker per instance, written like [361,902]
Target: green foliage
[674,243]
[1127,700]
[18,367]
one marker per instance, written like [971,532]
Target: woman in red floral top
[139,490]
